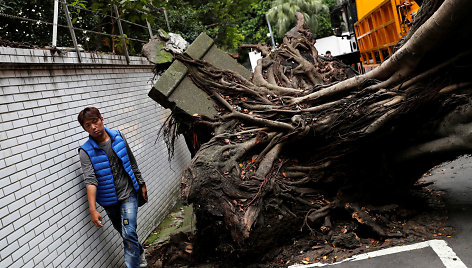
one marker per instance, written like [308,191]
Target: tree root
[431,71]
[308,145]
[313,215]
[258,80]
[271,144]
[364,218]
[263,48]
[266,164]
[259,121]
[454,87]
[379,122]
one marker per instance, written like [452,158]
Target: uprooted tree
[306,139]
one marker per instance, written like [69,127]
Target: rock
[160,48]
[348,240]
[176,44]
[154,51]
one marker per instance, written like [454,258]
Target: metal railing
[115,18]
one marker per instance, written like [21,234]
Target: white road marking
[444,252]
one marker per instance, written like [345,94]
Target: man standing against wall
[113,180]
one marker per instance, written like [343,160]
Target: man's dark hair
[88,113]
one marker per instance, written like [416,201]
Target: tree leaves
[281,14]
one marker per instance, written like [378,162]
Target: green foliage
[330,4]
[30,33]
[282,14]
[324,20]
[255,29]
[90,15]
[324,25]
[229,22]
[223,20]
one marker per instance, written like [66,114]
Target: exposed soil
[422,216]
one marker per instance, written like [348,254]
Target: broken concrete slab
[175,90]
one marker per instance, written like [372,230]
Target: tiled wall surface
[44,218]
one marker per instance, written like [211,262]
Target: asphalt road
[455,179]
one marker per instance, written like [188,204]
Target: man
[113,180]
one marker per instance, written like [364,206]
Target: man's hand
[144,192]
[96,218]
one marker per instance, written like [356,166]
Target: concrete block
[10,116]
[10,218]
[23,51]
[5,58]
[18,263]
[23,165]
[29,255]
[19,232]
[3,108]
[29,129]
[32,144]
[25,210]
[39,110]
[11,90]
[18,175]
[12,160]
[5,99]
[6,262]
[29,104]
[5,231]
[44,102]
[18,203]
[7,171]
[47,239]
[59,260]
[40,257]
[43,149]
[14,133]
[22,97]
[21,59]
[20,123]
[25,113]
[34,242]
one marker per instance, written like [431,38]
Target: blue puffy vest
[106,192]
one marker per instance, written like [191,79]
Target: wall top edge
[45,56]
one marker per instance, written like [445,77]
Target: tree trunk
[307,141]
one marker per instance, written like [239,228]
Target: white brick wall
[44,218]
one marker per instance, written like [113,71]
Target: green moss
[162,56]
[163,34]
[181,219]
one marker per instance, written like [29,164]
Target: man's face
[94,126]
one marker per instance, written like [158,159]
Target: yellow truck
[380,24]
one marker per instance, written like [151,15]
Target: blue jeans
[124,218]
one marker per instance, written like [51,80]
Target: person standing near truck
[113,180]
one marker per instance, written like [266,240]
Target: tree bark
[306,140]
